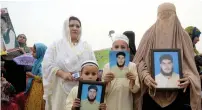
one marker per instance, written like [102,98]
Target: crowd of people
[49,84]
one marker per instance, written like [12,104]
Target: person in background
[62,59]
[22,40]
[7,95]
[194,34]
[131,37]
[89,71]
[167,33]
[34,88]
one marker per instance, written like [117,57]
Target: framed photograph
[91,94]
[119,61]
[166,68]
[7,32]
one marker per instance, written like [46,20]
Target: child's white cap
[121,37]
[89,62]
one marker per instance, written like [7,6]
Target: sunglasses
[76,25]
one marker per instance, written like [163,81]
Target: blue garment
[36,69]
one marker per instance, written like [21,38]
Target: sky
[42,20]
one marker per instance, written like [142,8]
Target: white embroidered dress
[62,55]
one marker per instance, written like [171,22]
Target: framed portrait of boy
[166,68]
[91,94]
[119,61]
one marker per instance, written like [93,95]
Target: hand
[109,77]
[185,83]
[130,76]
[149,81]
[65,75]
[103,106]
[76,104]
[29,74]
[22,49]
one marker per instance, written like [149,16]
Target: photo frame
[166,68]
[91,91]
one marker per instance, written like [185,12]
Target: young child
[119,89]
[34,89]
[89,71]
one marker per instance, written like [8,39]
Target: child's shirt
[119,91]
[71,97]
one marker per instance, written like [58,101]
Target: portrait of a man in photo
[167,78]
[90,103]
[120,66]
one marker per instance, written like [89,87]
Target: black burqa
[131,37]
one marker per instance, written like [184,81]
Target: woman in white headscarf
[62,59]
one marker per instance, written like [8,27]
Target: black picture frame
[83,82]
[177,65]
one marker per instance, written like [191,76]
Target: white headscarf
[66,32]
